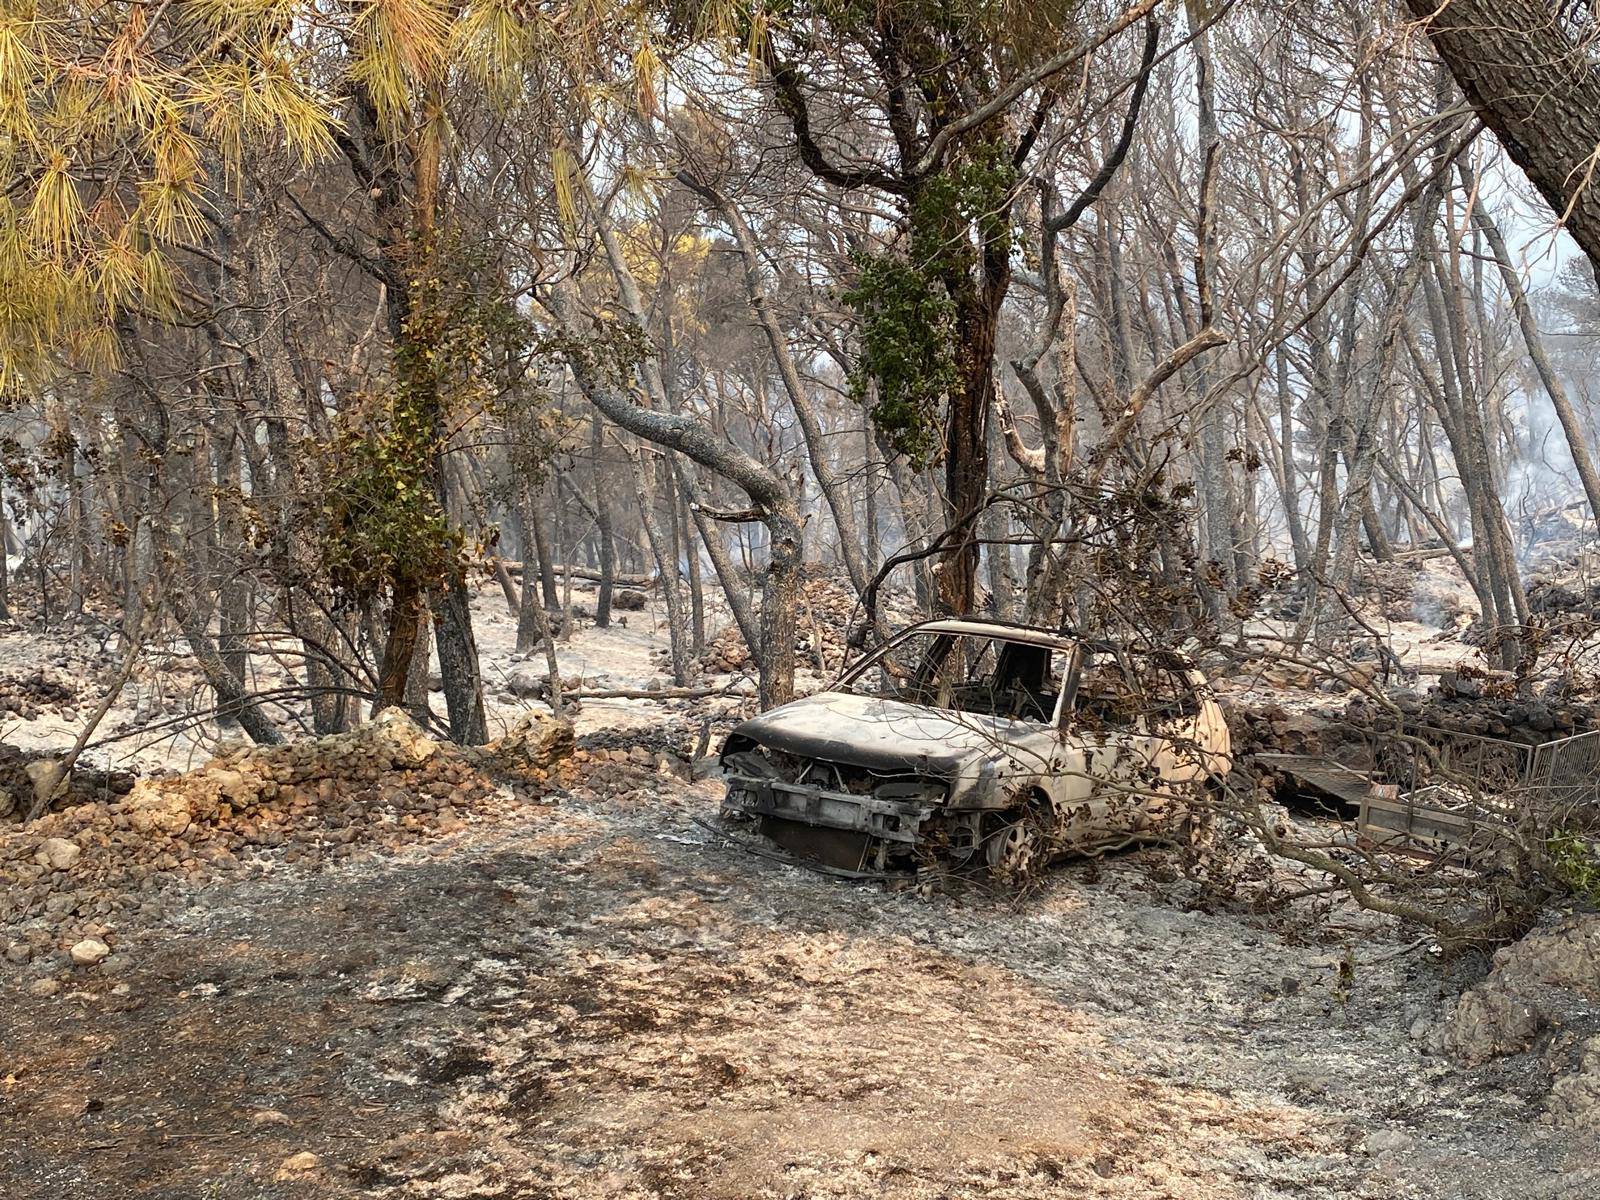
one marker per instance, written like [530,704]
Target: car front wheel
[1015,848]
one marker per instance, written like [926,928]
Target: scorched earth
[595,999]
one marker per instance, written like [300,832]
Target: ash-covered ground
[573,990]
[595,999]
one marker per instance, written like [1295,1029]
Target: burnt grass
[597,1000]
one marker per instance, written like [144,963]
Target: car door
[1109,753]
[1181,720]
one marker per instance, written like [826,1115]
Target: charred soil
[596,999]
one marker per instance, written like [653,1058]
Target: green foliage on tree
[462,353]
[1576,860]
[908,300]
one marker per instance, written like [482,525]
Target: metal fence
[1564,778]
[1458,795]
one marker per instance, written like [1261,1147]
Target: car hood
[882,734]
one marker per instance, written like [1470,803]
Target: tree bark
[458,661]
[603,524]
[1536,89]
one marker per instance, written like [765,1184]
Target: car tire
[1015,850]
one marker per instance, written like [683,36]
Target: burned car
[979,745]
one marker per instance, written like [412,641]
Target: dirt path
[585,1001]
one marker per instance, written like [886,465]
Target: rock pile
[612,763]
[726,653]
[1391,587]
[88,785]
[1541,989]
[37,692]
[618,762]
[1554,596]
[824,611]
[1528,720]
[1270,728]
[629,600]
[72,877]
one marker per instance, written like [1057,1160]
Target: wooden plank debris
[1323,779]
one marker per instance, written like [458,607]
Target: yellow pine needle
[491,41]
[401,41]
[755,49]
[98,351]
[18,63]
[301,115]
[156,285]
[565,170]
[116,281]
[646,71]
[169,210]
[56,210]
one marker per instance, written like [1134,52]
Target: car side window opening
[1109,693]
[1170,695]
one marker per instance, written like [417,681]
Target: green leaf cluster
[462,348]
[909,303]
[1576,860]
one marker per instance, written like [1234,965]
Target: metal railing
[1457,794]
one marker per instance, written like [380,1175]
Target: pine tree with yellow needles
[119,118]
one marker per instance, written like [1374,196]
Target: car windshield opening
[968,673]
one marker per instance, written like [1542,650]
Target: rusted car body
[975,744]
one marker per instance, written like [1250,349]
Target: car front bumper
[891,820]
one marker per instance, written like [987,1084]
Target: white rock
[151,812]
[58,854]
[297,1163]
[1388,1141]
[90,951]
[45,774]
[394,730]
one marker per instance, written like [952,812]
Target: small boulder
[394,730]
[629,600]
[1536,984]
[1490,1021]
[1575,1098]
[1388,1141]
[58,854]
[299,1164]
[527,681]
[535,742]
[151,812]
[45,774]
[89,951]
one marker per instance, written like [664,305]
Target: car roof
[1033,635]
[1001,631]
